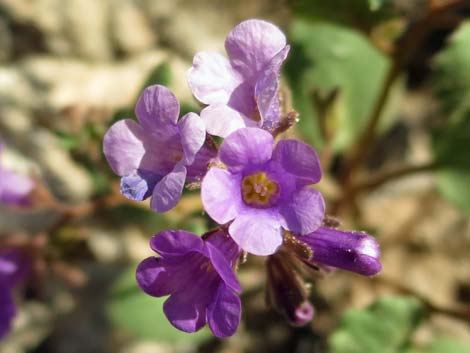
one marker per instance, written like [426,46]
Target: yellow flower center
[258,189]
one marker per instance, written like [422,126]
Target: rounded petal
[222,267]
[298,159]
[157,106]
[168,191]
[252,44]
[14,188]
[193,134]
[221,120]
[257,232]
[224,313]
[175,243]
[221,195]
[123,146]
[184,313]
[245,148]
[154,278]
[305,212]
[212,78]
[266,91]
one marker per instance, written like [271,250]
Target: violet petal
[157,106]
[246,147]
[168,191]
[224,313]
[257,232]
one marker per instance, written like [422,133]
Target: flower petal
[266,91]
[176,243]
[198,168]
[14,188]
[222,267]
[221,120]
[305,212]
[7,311]
[157,106]
[298,159]
[224,313]
[252,44]
[257,232]
[139,185]
[212,78]
[154,277]
[245,148]
[123,146]
[193,134]
[168,191]
[14,267]
[186,313]
[221,195]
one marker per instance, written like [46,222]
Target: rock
[131,30]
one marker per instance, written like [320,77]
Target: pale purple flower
[353,251]
[14,188]
[13,268]
[199,277]
[263,190]
[156,156]
[243,89]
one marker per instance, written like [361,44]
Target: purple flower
[13,268]
[156,157]
[14,188]
[198,275]
[264,190]
[352,251]
[243,90]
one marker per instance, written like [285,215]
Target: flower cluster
[13,268]
[258,190]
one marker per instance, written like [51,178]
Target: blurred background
[383,92]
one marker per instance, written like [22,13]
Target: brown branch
[392,174]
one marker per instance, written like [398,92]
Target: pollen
[258,190]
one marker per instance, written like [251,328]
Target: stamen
[259,190]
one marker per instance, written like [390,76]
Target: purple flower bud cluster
[258,190]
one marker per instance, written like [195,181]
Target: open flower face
[264,190]
[243,89]
[156,157]
[198,275]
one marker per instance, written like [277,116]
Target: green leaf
[159,75]
[447,345]
[454,185]
[451,79]
[142,315]
[362,14]
[451,83]
[384,327]
[325,57]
